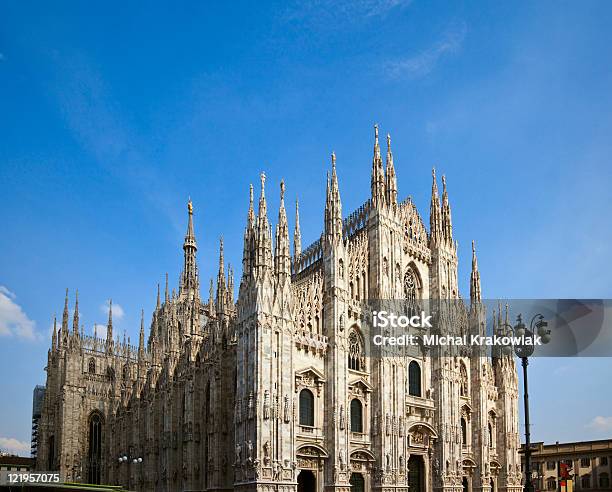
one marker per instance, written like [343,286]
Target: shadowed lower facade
[276,390]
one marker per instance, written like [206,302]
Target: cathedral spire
[141,336]
[475,290]
[391,179]
[435,221]
[282,254]
[54,339]
[333,211]
[109,326]
[230,283]
[65,315]
[251,213]
[378,174]
[166,292]
[263,240]
[297,235]
[247,251]
[447,227]
[211,297]
[158,304]
[75,319]
[220,277]
[189,280]
[262,197]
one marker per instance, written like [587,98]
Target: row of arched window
[307,411]
[356,362]
[110,372]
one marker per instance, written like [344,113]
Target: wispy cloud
[423,63]
[118,311]
[14,446]
[98,123]
[13,320]
[599,423]
[321,11]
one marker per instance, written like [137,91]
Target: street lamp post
[124,458]
[523,352]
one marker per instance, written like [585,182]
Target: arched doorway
[307,481]
[357,482]
[416,474]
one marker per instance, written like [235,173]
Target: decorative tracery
[410,285]
[356,360]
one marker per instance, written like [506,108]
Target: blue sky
[112,115]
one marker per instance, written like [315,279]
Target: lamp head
[543,330]
[519,328]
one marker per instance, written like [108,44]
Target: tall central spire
[189,278]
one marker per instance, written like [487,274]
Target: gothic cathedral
[278,390]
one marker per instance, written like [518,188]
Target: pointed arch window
[94,456]
[92,366]
[356,415]
[306,408]
[356,360]
[414,379]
